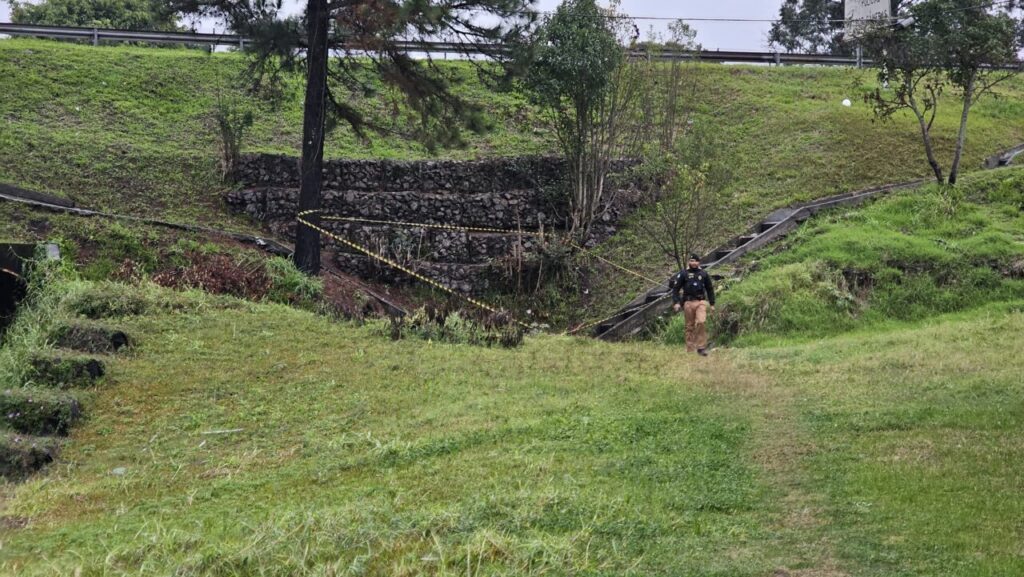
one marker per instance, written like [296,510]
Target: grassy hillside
[243,439]
[871,425]
[130,128]
[920,253]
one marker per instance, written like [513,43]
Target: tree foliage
[118,14]
[809,26]
[684,189]
[950,44]
[576,75]
[669,88]
[814,26]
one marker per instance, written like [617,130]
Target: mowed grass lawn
[889,453]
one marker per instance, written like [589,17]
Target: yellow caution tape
[400,267]
[479,229]
[469,229]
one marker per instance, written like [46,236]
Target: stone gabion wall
[511,209]
[513,194]
[478,176]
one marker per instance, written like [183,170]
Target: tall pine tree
[340,44]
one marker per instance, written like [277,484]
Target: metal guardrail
[95,35]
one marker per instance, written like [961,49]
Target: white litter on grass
[847,103]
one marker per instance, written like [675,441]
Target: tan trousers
[696,315]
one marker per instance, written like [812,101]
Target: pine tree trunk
[307,240]
[962,136]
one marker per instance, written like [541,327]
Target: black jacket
[694,285]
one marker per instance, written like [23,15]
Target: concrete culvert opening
[14,258]
[12,282]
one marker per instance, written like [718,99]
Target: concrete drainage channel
[13,286]
[12,281]
[35,416]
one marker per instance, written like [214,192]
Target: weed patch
[452,327]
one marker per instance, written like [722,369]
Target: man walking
[693,293]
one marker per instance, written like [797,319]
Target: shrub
[430,324]
[289,285]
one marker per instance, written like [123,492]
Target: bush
[289,285]
[453,327]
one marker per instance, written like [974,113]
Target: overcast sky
[712,35]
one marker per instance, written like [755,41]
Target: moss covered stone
[91,338]
[34,411]
[66,371]
[22,455]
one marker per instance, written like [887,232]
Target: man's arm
[674,285]
[709,288]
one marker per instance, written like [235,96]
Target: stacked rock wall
[515,194]
[477,176]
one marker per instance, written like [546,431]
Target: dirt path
[780,447]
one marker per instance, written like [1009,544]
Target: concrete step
[718,255]
[742,240]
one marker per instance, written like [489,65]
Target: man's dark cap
[695,257]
